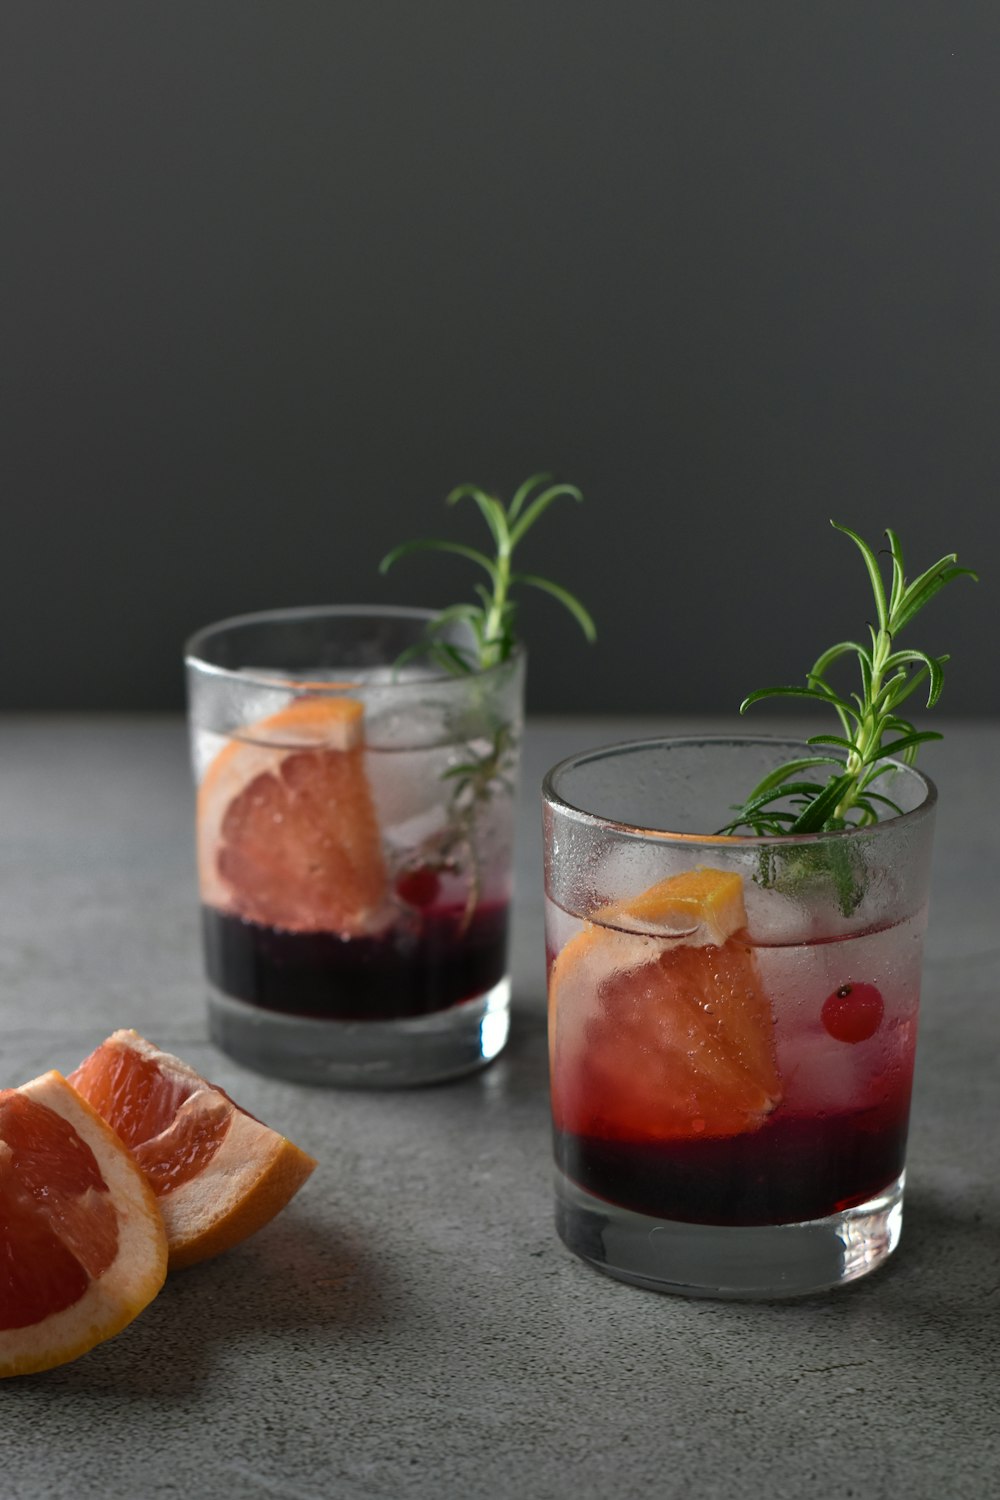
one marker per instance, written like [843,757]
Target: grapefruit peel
[94,1221]
[135,1274]
[245,1174]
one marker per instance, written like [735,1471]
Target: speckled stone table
[411,1326]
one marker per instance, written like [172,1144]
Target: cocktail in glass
[354,831]
[732,1021]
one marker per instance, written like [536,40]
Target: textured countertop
[411,1326]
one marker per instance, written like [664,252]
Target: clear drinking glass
[354,829]
[732,1021]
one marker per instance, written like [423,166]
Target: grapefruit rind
[138,1270]
[701,906]
[329,722]
[250,1177]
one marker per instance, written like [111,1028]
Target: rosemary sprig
[491,622]
[871,727]
[473,784]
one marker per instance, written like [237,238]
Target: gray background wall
[277,275]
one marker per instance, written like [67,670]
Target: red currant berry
[418,887]
[853,1013]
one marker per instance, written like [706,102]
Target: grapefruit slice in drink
[659,1027]
[218,1174]
[82,1244]
[287,831]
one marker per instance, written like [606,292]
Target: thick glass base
[364,1054]
[704,1260]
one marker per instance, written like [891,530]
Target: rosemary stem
[869,735]
[888,677]
[493,632]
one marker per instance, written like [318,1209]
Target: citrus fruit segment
[656,1038]
[708,904]
[287,831]
[82,1245]
[218,1174]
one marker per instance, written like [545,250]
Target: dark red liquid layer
[425,962]
[795,1167]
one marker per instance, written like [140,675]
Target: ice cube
[775,919]
[560,927]
[411,835]
[410,791]
[819,1074]
[404,722]
[628,868]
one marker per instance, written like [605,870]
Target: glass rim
[196,642]
[556,800]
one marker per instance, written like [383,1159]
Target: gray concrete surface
[411,1327]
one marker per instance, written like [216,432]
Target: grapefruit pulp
[656,1036]
[218,1174]
[82,1244]
[287,831]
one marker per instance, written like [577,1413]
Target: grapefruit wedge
[218,1174]
[287,832]
[659,1028]
[82,1244]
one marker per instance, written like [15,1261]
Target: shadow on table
[279,1289]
